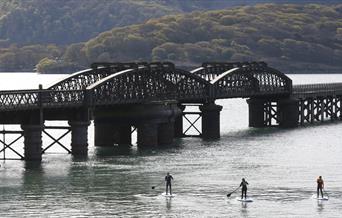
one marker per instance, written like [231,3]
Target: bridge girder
[121,83]
[82,79]
[244,79]
[151,82]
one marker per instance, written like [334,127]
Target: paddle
[325,193]
[153,187]
[229,194]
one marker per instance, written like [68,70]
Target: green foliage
[48,65]
[287,36]
[71,21]
[279,34]
[25,58]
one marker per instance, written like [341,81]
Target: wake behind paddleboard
[320,198]
[245,199]
[168,195]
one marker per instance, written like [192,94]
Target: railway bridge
[152,98]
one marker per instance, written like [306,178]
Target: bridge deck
[317,90]
[143,82]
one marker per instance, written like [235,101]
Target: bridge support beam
[148,134]
[210,120]
[104,134]
[166,133]
[178,125]
[32,142]
[79,137]
[289,113]
[256,112]
[154,122]
[124,135]
[109,133]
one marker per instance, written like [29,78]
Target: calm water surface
[280,165]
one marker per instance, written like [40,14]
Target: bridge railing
[37,98]
[64,98]
[19,99]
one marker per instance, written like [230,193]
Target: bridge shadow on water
[253,133]
[134,150]
[184,143]
[267,131]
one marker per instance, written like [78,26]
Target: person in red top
[320,186]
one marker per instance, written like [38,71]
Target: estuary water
[281,167]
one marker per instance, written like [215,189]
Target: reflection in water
[80,158]
[320,206]
[244,209]
[33,180]
[168,203]
[114,151]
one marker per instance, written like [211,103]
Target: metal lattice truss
[82,79]
[121,83]
[319,109]
[157,81]
[244,79]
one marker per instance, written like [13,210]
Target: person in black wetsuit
[168,179]
[320,186]
[243,184]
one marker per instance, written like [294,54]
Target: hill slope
[290,37]
[70,21]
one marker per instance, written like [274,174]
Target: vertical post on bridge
[32,142]
[33,127]
[179,123]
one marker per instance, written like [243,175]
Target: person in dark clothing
[320,186]
[168,179]
[243,184]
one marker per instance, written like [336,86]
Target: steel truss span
[126,83]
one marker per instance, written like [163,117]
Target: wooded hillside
[290,37]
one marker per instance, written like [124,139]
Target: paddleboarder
[320,186]
[168,179]
[244,184]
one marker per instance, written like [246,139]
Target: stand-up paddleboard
[244,199]
[325,198]
[168,195]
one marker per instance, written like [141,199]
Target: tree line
[289,37]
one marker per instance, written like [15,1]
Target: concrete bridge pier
[148,134]
[166,133]
[79,137]
[109,133]
[178,124]
[288,113]
[154,122]
[152,133]
[32,141]
[256,112]
[210,120]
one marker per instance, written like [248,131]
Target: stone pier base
[32,142]
[210,120]
[79,137]
[289,113]
[256,112]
